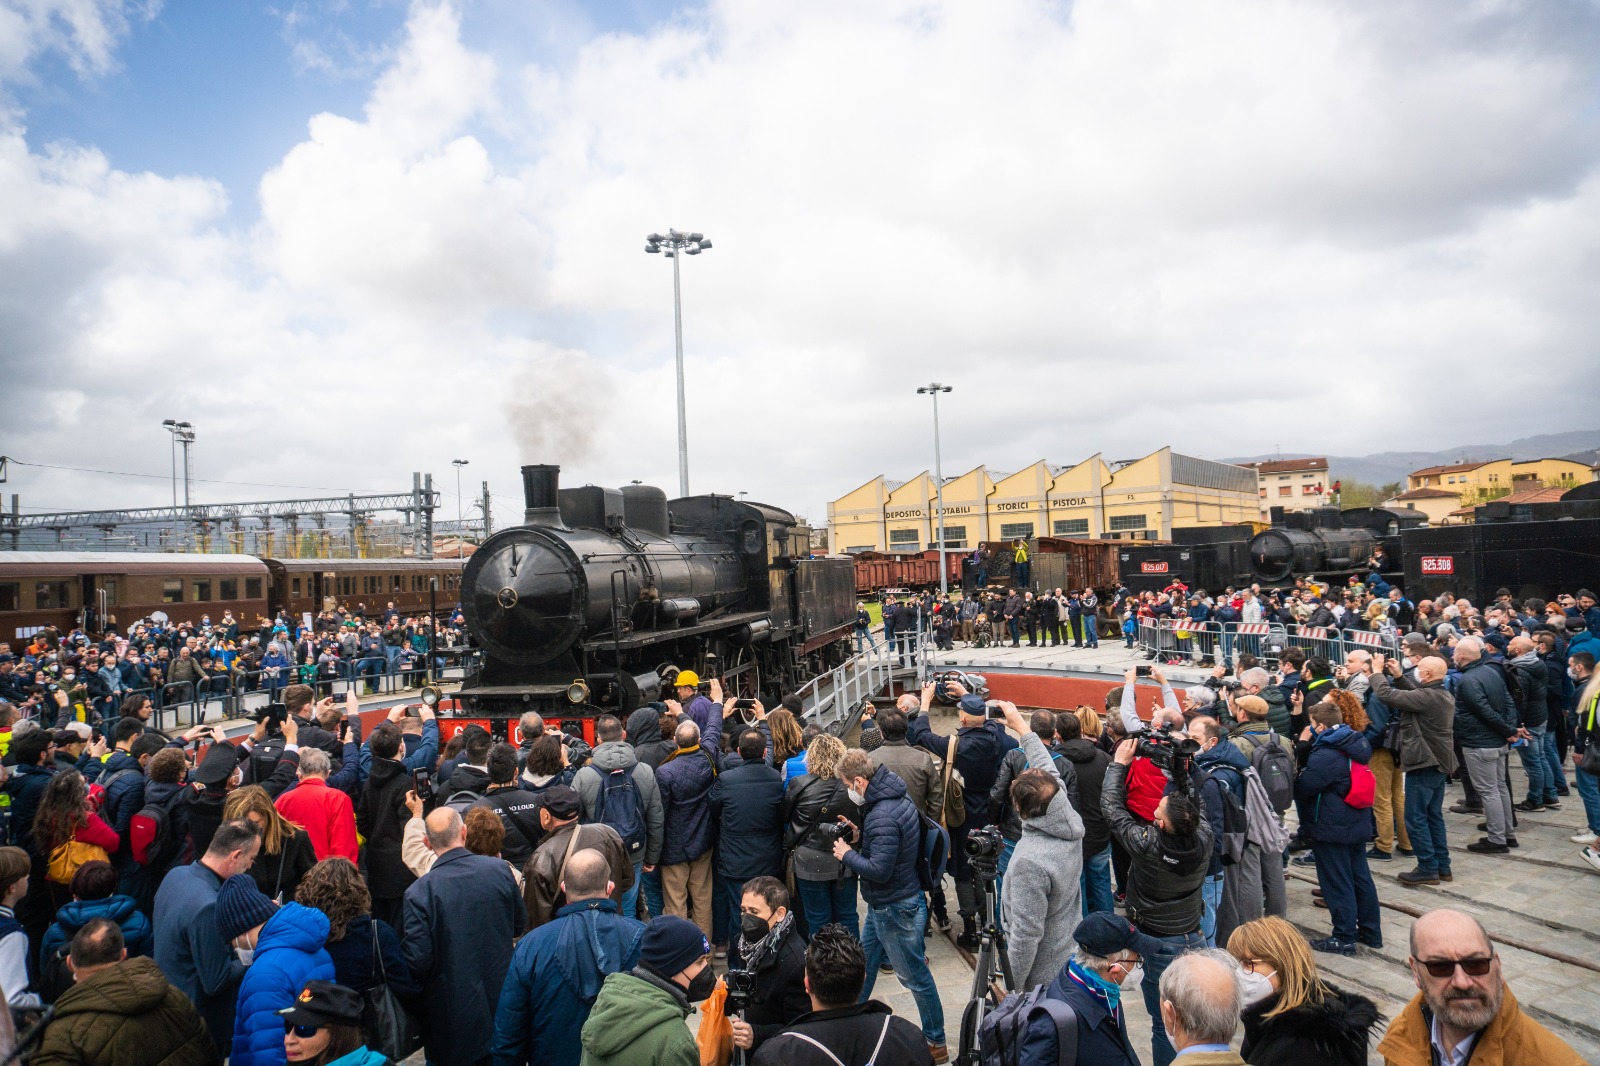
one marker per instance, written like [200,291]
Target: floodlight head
[655,238]
[169,421]
[693,249]
[651,249]
[697,237]
[704,245]
[947,388]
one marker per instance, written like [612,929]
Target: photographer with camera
[976,750]
[1041,900]
[1168,860]
[889,840]
[766,966]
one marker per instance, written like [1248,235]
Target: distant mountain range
[1579,445]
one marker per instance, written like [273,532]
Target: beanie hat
[241,906]
[672,944]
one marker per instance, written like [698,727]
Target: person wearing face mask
[1107,961]
[638,1017]
[281,949]
[1292,1017]
[770,946]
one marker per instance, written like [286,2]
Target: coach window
[10,596]
[108,588]
[228,588]
[396,583]
[294,587]
[172,590]
[200,591]
[50,595]
[252,588]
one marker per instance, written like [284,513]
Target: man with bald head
[557,969]
[1425,749]
[1200,1005]
[1463,1011]
[457,925]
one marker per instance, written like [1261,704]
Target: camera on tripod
[983,848]
[741,989]
[1170,749]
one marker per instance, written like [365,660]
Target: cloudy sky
[349,240]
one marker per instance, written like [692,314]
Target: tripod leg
[980,971]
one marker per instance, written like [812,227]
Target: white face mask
[1256,987]
[1135,977]
[246,955]
[858,798]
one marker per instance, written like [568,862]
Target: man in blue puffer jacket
[889,840]
[1339,832]
[684,779]
[282,950]
[93,896]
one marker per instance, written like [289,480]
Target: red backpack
[1363,786]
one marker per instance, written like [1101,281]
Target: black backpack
[620,806]
[1003,1030]
[1275,767]
[1235,825]
[933,852]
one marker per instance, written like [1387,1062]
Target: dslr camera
[827,832]
[274,714]
[983,848]
[741,990]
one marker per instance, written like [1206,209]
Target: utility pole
[488,523]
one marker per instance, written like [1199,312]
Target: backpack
[1363,786]
[933,853]
[66,858]
[150,837]
[1264,827]
[954,812]
[1519,699]
[620,806]
[1235,824]
[464,800]
[1003,1030]
[1274,768]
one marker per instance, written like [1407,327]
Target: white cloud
[1112,225]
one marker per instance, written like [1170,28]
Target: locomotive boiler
[601,595]
[1329,542]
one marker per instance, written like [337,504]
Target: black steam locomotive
[1325,541]
[601,596]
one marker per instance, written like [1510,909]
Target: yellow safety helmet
[686,679]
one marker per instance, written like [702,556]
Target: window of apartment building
[904,538]
[1127,521]
[1309,490]
[1016,530]
[1072,527]
[1285,490]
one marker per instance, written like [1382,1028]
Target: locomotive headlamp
[430,696]
[578,691]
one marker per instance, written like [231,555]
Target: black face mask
[700,988]
[753,928]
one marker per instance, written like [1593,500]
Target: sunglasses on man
[1442,968]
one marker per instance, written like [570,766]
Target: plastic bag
[715,1035]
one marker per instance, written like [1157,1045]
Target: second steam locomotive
[602,595]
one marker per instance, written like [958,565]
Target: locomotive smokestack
[540,483]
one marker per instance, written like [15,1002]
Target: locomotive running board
[641,637]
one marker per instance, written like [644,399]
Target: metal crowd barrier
[1180,641]
[834,700]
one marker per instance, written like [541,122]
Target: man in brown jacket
[1464,1011]
[558,817]
[121,1010]
[1425,749]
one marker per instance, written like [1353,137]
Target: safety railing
[833,700]
[1186,641]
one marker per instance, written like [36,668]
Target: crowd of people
[88,678]
[323,893]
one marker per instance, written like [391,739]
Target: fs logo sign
[1444,565]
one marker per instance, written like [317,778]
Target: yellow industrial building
[1145,499]
[1480,482]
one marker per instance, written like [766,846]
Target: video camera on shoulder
[1170,749]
